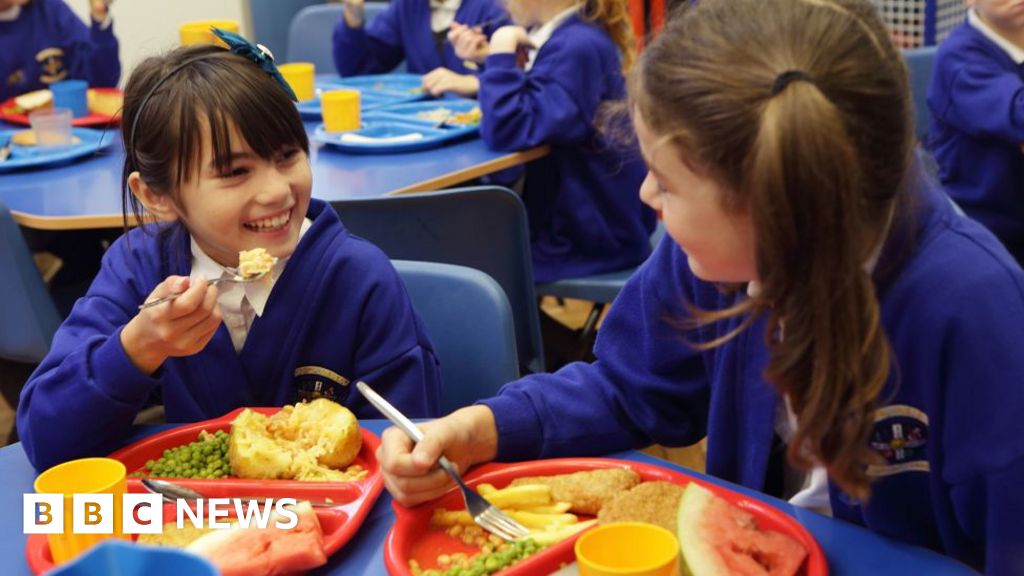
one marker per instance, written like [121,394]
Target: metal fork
[485,514]
[214,282]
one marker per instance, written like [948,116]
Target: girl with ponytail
[819,309]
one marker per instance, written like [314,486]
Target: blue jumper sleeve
[374,47]
[555,102]
[647,385]
[984,101]
[82,399]
[93,51]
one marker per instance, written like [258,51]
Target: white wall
[147,27]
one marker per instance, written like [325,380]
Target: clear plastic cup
[52,126]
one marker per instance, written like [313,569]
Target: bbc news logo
[144,513]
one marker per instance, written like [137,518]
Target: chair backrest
[29,316]
[311,30]
[920,62]
[480,227]
[469,321]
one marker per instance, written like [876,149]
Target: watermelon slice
[717,538]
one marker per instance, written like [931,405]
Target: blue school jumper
[977,102]
[949,436]
[583,199]
[47,43]
[338,313]
[402,32]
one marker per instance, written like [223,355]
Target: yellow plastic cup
[84,476]
[199,31]
[340,110]
[628,549]
[300,77]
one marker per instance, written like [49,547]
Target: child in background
[415,31]
[585,216]
[977,102]
[216,150]
[815,291]
[43,41]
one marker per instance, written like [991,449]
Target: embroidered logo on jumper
[312,382]
[51,65]
[901,438]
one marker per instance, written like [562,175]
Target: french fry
[541,521]
[485,488]
[445,518]
[553,508]
[547,537]
[520,496]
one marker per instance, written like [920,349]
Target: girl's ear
[160,205]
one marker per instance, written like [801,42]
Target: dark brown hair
[199,84]
[819,163]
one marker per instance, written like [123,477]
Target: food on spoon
[652,502]
[719,538]
[266,551]
[32,101]
[255,262]
[586,490]
[308,441]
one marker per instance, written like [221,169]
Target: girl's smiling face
[719,244]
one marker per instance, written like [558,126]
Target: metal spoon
[235,280]
[172,492]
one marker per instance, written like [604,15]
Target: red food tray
[411,538]
[92,120]
[339,524]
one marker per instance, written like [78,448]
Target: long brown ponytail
[818,160]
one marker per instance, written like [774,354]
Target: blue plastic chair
[112,557]
[30,317]
[310,32]
[480,227]
[601,289]
[920,63]
[469,321]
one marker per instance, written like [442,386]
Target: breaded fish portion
[587,490]
[651,502]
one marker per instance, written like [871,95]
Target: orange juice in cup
[299,76]
[85,476]
[628,549]
[340,110]
[200,31]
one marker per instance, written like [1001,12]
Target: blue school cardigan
[338,313]
[948,433]
[402,32]
[47,42]
[977,102]
[582,199]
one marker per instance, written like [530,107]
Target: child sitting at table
[43,41]
[415,31]
[815,297]
[585,216]
[977,102]
[216,151]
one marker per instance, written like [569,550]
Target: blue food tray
[40,156]
[378,125]
[398,89]
[416,111]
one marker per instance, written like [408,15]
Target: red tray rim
[407,519]
[85,121]
[37,548]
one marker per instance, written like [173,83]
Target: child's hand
[469,43]
[441,80]
[467,436]
[98,9]
[355,13]
[507,39]
[181,327]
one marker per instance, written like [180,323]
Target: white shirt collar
[11,14]
[231,293]
[1016,53]
[442,14]
[540,35]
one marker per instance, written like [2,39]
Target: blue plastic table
[849,549]
[87,193]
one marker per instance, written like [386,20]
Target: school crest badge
[312,382]
[51,65]
[900,437]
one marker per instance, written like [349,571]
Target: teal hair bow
[258,54]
